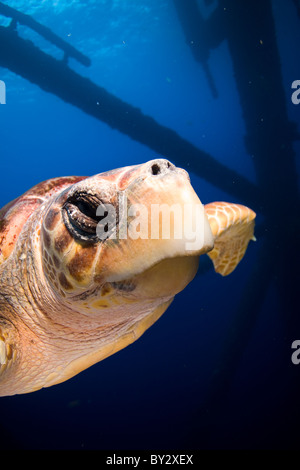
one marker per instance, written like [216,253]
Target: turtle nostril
[155,168]
[160,167]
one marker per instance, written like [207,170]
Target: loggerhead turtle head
[120,238]
[96,261]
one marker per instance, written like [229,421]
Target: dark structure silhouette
[198,36]
[269,140]
[54,76]
[21,18]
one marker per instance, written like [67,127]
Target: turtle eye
[79,215]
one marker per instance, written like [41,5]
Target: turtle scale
[15,214]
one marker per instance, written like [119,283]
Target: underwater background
[215,372]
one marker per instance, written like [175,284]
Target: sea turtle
[69,297]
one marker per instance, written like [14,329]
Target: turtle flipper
[232,226]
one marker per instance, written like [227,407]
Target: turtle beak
[164,219]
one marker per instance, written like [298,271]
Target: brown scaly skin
[67,302]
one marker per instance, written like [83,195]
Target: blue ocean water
[159,392]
